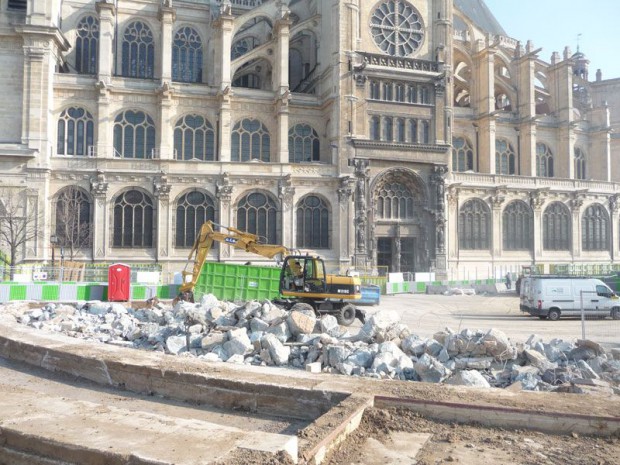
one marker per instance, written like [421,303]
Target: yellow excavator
[304,284]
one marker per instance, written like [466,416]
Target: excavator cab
[302,275]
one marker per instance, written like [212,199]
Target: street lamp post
[53,241]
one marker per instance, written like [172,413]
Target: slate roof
[478,12]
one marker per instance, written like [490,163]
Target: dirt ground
[472,445]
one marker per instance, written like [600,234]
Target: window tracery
[303,144]
[474,226]
[312,223]
[133,220]
[86,45]
[193,209]
[250,141]
[76,132]
[396,27]
[187,56]
[194,139]
[257,214]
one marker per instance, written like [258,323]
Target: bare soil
[475,445]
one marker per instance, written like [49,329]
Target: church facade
[409,135]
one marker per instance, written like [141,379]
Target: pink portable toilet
[119,279]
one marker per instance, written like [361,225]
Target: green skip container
[228,281]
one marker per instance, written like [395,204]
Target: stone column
[615,220]
[166,123]
[497,200]
[282,113]
[105,57]
[537,200]
[166,17]
[526,69]
[163,240]
[223,27]
[105,122]
[560,76]
[361,211]
[286,194]
[576,203]
[99,191]
[452,238]
[438,180]
[224,191]
[485,60]
[346,215]
[41,46]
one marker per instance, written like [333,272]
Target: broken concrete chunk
[413,345]
[278,353]
[430,370]
[586,371]
[539,360]
[301,322]
[281,331]
[176,344]
[498,345]
[238,343]
[468,378]
[257,325]
[337,354]
[391,360]
[329,325]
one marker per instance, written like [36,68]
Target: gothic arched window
[580,164]
[426,132]
[556,227]
[504,157]
[187,56]
[462,154]
[134,135]
[249,81]
[86,43]
[394,201]
[312,223]
[388,129]
[257,214]
[544,161]
[474,226]
[375,128]
[194,139]
[375,93]
[400,130]
[517,221]
[250,141]
[73,224]
[133,220]
[76,132]
[243,46]
[138,51]
[413,130]
[303,144]
[595,228]
[193,210]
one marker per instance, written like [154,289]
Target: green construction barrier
[138,292]
[17,292]
[50,292]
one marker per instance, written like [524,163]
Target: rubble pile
[263,334]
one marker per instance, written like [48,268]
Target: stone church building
[412,135]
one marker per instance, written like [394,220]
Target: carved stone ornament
[286,191]
[166,90]
[360,79]
[161,186]
[613,203]
[453,195]
[537,199]
[224,188]
[98,185]
[576,202]
[498,197]
[345,191]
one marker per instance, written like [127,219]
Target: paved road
[427,314]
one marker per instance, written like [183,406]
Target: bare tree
[18,223]
[73,220]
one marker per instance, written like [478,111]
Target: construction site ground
[73,401]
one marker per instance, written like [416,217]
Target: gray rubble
[261,333]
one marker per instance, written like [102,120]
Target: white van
[555,296]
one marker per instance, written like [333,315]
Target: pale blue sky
[554,24]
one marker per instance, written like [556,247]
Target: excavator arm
[235,238]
